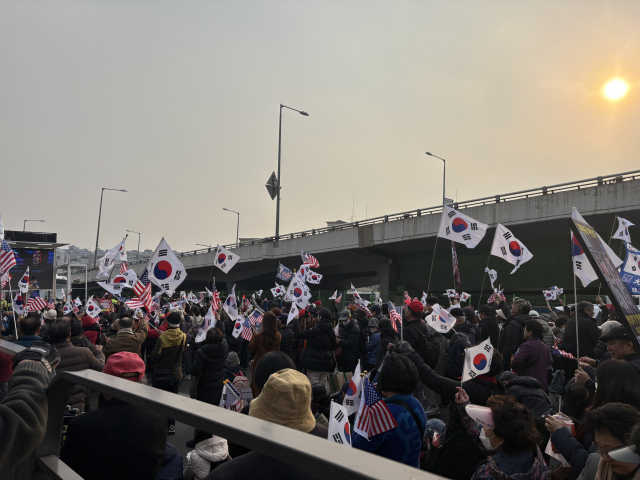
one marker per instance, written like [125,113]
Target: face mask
[486,441]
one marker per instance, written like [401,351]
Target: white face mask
[486,441]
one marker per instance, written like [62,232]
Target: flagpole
[432,259]
[13,307]
[485,270]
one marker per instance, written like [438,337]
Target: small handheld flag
[374,416]
[339,428]
[477,360]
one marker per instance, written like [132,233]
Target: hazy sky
[177,102]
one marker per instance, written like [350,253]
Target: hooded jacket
[167,352]
[321,342]
[528,392]
[287,340]
[373,345]
[210,451]
[209,366]
[511,336]
[387,335]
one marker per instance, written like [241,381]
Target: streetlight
[279,145]
[95,256]
[137,254]
[238,228]
[444,173]
[24,226]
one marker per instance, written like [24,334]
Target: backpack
[241,382]
[429,350]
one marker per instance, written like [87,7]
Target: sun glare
[615,89]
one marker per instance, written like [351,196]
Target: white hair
[606,327]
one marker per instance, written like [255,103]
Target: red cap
[302,313]
[317,303]
[124,362]
[416,306]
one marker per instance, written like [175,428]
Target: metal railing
[302,450]
[507,197]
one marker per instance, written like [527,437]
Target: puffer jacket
[349,338]
[548,338]
[589,336]
[209,366]
[287,340]
[171,468]
[167,353]
[387,335]
[528,392]
[74,359]
[321,342]
[207,455]
[372,348]
[235,344]
[511,336]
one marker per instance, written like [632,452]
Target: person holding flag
[533,357]
[460,455]
[392,426]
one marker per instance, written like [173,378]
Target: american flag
[308,259]
[215,300]
[496,297]
[407,296]
[123,267]
[255,318]
[5,278]
[51,305]
[365,310]
[134,303]
[374,417]
[246,333]
[142,289]
[395,313]
[284,273]
[36,302]
[561,353]
[339,299]
[7,257]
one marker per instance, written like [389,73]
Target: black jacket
[235,344]
[138,442]
[287,340]
[460,457]
[528,392]
[589,336]
[413,331]
[511,336]
[349,338]
[321,342]
[489,328]
[209,366]
[387,336]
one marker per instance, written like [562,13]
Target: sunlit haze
[177,103]
[616,89]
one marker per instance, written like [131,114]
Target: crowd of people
[561,395]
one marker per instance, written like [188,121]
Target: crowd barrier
[307,452]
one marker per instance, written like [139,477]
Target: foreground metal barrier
[307,452]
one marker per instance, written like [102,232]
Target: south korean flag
[230,306]
[477,360]
[623,230]
[509,248]
[339,428]
[165,270]
[278,291]
[461,228]
[225,259]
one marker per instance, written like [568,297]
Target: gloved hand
[403,347]
[39,352]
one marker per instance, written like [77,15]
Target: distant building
[335,223]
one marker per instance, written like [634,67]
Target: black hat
[375,309]
[617,333]
[324,314]
[76,327]
[456,312]
[469,312]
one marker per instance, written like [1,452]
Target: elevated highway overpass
[395,251]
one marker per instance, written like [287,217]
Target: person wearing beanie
[206,457]
[348,338]
[461,336]
[167,355]
[138,443]
[231,366]
[512,333]
[285,400]
[321,342]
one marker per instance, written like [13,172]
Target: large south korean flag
[460,228]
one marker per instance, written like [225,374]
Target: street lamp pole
[238,227]
[24,226]
[137,254]
[95,256]
[444,174]
[279,150]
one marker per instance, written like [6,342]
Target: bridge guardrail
[507,197]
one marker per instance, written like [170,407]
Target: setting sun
[615,89]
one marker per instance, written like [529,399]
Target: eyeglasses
[606,452]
